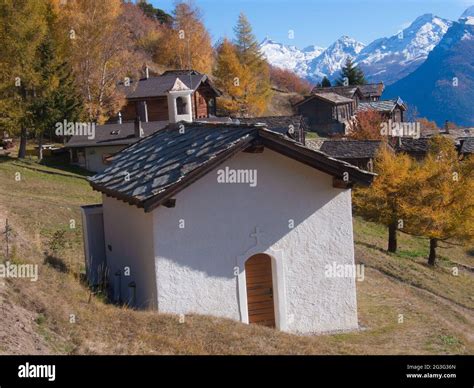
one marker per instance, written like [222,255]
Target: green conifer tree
[351,75]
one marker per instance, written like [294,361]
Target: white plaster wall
[129,233]
[94,157]
[195,265]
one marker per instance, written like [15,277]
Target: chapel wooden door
[258,273]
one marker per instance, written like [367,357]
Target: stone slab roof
[115,134]
[151,171]
[379,106]
[467,146]
[351,149]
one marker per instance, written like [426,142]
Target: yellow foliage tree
[441,206]
[101,53]
[242,73]
[233,78]
[186,44]
[23,27]
[382,202]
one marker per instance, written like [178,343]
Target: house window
[181,106]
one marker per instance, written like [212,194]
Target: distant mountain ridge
[385,59]
[331,60]
[390,59]
[442,88]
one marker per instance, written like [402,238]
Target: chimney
[120,117]
[138,130]
[446,126]
[147,72]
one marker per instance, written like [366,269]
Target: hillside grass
[59,315]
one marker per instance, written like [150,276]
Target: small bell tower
[179,103]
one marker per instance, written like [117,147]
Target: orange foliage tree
[366,126]
[234,79]
[242,73]
[100,51]
[289,81]
[186,44]
[427,125]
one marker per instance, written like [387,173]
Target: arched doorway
[258,274]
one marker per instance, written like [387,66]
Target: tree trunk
[432,256]
[22,149]
[392,237]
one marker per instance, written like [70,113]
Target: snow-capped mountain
[442,88]
[313,62]
[331,60]
[468,13]
[393,58]
[289,57]
[386,59]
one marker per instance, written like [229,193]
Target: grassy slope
[437,307]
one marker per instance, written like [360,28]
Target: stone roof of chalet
[371,90]
[412,146]
[351,149]
[334,98]
[379,106]
[467,146]
[280,124]
[115,134]
[150,172]
[365,91]
[458,133]
[161,85]
[345,91]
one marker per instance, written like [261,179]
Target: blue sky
[320,22]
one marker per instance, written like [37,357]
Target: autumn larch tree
[233,78]
[186,44]
[57,97]
[101,53]
[441,206]
[252,60]
[23,27]
[382,201]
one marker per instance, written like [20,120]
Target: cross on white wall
[257,235]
